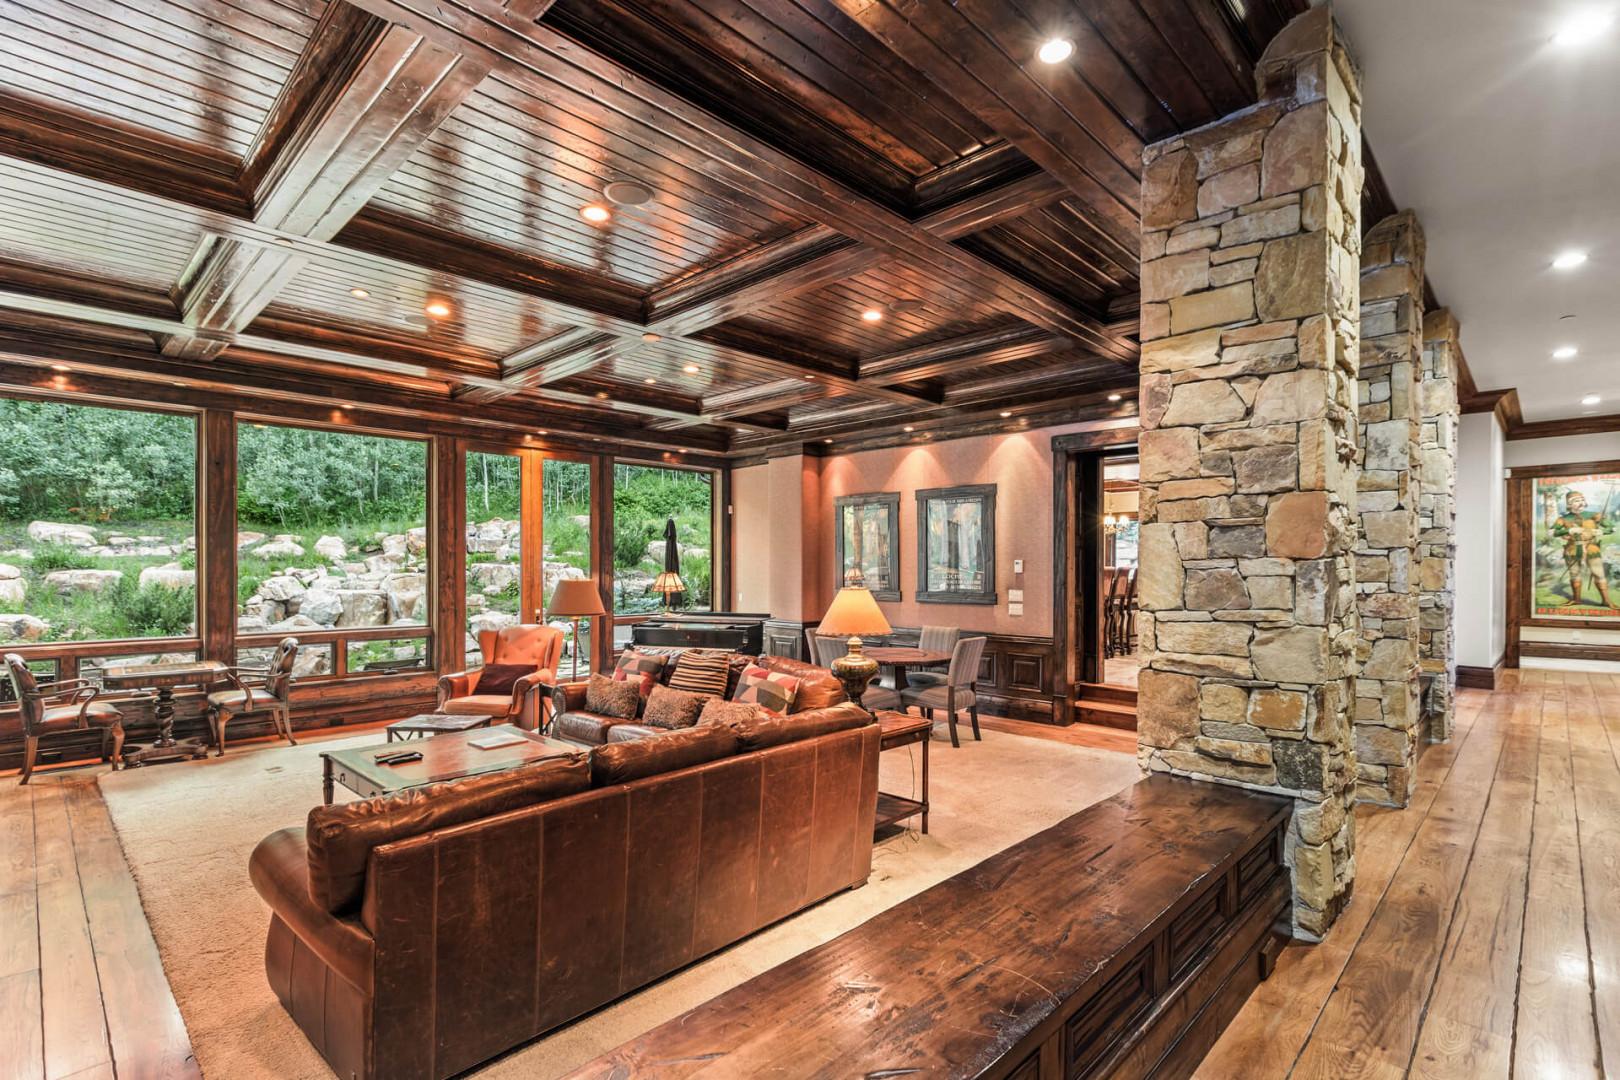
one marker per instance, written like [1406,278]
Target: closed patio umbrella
[669,582]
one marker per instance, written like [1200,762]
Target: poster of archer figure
[1576,542]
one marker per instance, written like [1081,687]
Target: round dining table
[899,657]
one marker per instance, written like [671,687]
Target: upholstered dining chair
[76,709]
[520,662]
[957,691]
[256,688]
[940,639]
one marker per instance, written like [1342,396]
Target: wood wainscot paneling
[785,637]
[1017,676]
[1559,650]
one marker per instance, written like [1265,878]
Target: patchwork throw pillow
[501,678]
[716,711]
[770,690]
[612,697]
[701,672]
[671,709]
[640,668]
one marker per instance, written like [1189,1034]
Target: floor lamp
[575,599]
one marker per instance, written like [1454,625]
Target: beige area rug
[187,831]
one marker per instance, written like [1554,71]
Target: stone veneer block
[1247,589]
[1437,544]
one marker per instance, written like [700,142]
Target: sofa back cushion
[818,687]
[762,730]
[341,837]
[622,762]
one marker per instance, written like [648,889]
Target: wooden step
[1117,695]
[1107,713]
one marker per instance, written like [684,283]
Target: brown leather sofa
[818,688]
[419,935]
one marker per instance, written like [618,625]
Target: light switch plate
[1015,596]
[1015,609]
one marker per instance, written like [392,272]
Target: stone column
[1250,262]
[1387,708]
[1437,542]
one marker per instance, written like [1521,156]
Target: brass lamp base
[855,671]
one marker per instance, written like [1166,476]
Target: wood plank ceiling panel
[1060,249]
[516,171]
[204,71]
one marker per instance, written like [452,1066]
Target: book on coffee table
[496,739]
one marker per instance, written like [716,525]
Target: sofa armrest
[455,685]
[567,697]
[279,870]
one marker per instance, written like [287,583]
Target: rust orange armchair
[526,704]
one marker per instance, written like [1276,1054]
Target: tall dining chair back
[957,691]
[939,639]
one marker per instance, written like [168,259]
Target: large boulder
[22,628]
[52,532]
[294,623]
[405,593]
[416,539]
[284,546]
[476,602]
[555,572]
[312,660]
[281,588]
[384,564]
[245,538]
[68,582]
[493,577]
[363,607]
[324,606]
[332,547]
[251,624]
[168,576]
[492,534]
[396,544]
[13,591]
[491,620]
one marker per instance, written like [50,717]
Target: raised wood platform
[1117,943]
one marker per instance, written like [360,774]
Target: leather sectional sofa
[818,688]
[419,935]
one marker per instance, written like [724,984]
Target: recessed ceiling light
[1569,260]
[178,383]
[649,380]
[359,294]
[649,336]
[905,307]
[691,369]
[908,428]
[628,193]
[1565,352]
[1113,397]
[872,315]
[826,440]
[1006,413]
[602,394]
[809,376]
[60,367]
[1056,50]
[594,214]
[1592,399]
[1581,27]
[540,433]
[438,309]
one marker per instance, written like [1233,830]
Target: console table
[1117,943]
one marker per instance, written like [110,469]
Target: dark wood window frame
[719,538]
[986,493]
[890,501]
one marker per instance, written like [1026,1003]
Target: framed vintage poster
[867,542]
[1575,547]
[956,545]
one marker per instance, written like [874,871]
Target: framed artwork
[868,542]
[1575,546]
[956,545]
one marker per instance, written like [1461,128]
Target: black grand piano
[740,632]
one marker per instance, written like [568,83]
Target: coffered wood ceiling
[190,190]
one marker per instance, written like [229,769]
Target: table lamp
[668,584]
[854,612]
[575,599]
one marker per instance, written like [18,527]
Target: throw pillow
[770,690]
[701,672]
[668,708]
[612,697]
[640,668]
[501,678]
[716,711]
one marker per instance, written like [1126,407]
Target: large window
[494,546]
[566,515]
[332,536]
[646,499]
[97,523]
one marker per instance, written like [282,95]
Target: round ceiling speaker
[627,193]
[902,307]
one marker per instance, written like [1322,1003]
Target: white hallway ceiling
[1507,145]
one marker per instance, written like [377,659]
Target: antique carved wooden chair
[256,689]
[76,710]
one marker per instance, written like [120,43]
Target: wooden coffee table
[444,757]
[436,723]
[903,729]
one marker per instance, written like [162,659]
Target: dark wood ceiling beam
[544,62]
[982,349]
[362,97]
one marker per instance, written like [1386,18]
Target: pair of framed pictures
[956,544]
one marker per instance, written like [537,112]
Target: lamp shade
[668,582]
[576,598]
[853,612]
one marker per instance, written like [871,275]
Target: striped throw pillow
[770,690]
[700,672]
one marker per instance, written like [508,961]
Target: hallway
[1484,937]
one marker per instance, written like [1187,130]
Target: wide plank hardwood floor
[1484,937]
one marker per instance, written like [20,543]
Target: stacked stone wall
[1387,706]
[1437,541]
[1250,327]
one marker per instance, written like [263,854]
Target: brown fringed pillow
[617,698]
[672,709]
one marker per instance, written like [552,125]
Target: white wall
[1481,528]
[1569,449]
